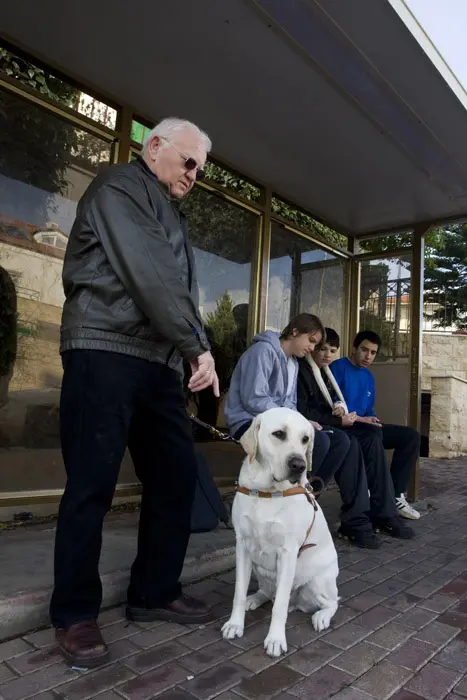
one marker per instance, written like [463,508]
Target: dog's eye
[280,434]
[305,439]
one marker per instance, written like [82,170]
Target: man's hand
[203,374]
[372,420]
[349,419]
[338,411]
[316,425]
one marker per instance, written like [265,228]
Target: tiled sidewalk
[400,632]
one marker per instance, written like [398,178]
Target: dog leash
[225,437]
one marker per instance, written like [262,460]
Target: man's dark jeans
[108,402]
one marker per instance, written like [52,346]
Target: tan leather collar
[294,491]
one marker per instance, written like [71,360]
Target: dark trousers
[337,455]
[108,402]
[405,442]
[382,504]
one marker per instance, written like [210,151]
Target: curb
[29,611]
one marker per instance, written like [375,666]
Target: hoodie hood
[272,338]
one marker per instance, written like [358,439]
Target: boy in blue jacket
[358,387]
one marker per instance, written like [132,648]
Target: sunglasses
[189,163]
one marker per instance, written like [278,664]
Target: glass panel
[303,278]
[139,131]
[307,222]
[56,89]
[385,304]
[224,238]
[45,166]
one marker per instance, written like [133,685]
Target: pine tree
[221,322]
[446,280]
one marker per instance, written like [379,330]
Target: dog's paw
[256,600]
[230,630]
[275,645]
[321,619]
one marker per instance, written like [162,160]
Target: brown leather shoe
[184,610]
[82,644]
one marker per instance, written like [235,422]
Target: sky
[445,22]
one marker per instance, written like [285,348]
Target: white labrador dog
[281,531]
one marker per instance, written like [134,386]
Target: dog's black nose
[296,465]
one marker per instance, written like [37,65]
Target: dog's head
[279,442]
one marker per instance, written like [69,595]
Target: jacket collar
[140,162]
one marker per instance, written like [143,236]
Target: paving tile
[253,635]
[418,618]
[322,684]
[201,638]
[364,601]
[156,656]
[148,685]
[381,573]
[454,619]
[33,660]
[363,566]
[256,659]
[437,603]
[350,693]
[346,575]
[433,682]
[5,673]
[36,682]
[303,634]
[119,630]
[163,633]
[263,685]
[436,633]
[412,655]
[359,659]
[390,636]
[112,615]
[313,656]
[346,636]
[404,694]
[390,587]
[461,607]
[457,587]
[352,588]
[461,687]
[91,684]
[454,655]
[383,680]
[42,638]
[216,680]
[199,661]
[376,617]
[402,601]
[13,648]
[179,694]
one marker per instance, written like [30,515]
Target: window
[303,278]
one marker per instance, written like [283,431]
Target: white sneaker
[405,509]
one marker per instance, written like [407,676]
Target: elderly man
[130,317]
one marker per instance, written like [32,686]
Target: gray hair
[173,125]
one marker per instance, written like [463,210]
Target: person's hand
[338,411]
[203,374]
[371,420]
[349,419]
[316,425]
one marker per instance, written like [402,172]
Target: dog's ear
[309,450]
[249,439]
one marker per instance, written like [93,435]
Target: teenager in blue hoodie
[266,377]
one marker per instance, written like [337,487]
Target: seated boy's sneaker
[361,538]
[395,527]
[405,509]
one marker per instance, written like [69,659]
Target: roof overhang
[334,104]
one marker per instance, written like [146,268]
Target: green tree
[446,279]
[221,322]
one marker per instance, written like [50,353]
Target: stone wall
[448,430]
[443,355]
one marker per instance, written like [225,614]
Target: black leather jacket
[129,274]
